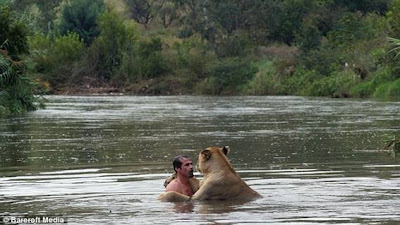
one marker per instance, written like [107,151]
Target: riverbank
[325,49]
[265,78]
[158,86]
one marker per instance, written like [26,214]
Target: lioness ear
[226,150]
[205,154]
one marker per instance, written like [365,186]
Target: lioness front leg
[194,184]
[203,192]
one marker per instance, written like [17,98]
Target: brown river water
[103,159]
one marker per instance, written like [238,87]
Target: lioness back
[221,182]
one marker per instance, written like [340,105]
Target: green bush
[208,86]
[150,62]
[68,48]
[389,91]
[324,60]
[381,91]
[301,78]
[55,61]
[190,60]
[336,85]
[393,92]
[363,89]
[192,53]
[40,57]
[231,75]
[266,82]
[232,46]
[367,88]
[144,61]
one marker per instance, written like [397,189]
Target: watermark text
[33,219]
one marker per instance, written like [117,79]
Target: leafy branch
[396,43]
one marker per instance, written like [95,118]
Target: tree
[12,34]
[115,39]
[393,17]
[81,17]
[168,13]
[365,6]
[16,88]
[42,19]
[271,20]
[143,11]
[149,61]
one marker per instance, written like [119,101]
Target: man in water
[183,167]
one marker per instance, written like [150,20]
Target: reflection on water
[102,160]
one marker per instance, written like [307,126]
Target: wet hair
[177,163]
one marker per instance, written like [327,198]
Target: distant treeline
[337,48]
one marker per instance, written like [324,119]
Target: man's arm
[173,196]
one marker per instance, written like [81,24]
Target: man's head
[183,165]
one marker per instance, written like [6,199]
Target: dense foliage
[337,48]
[81,17]
[16,88]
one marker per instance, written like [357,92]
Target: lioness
[220,181]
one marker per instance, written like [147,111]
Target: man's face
[186,168]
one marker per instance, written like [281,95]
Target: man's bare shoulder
[172,186]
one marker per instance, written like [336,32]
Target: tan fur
[221,182]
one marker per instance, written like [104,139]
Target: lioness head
[212,159]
